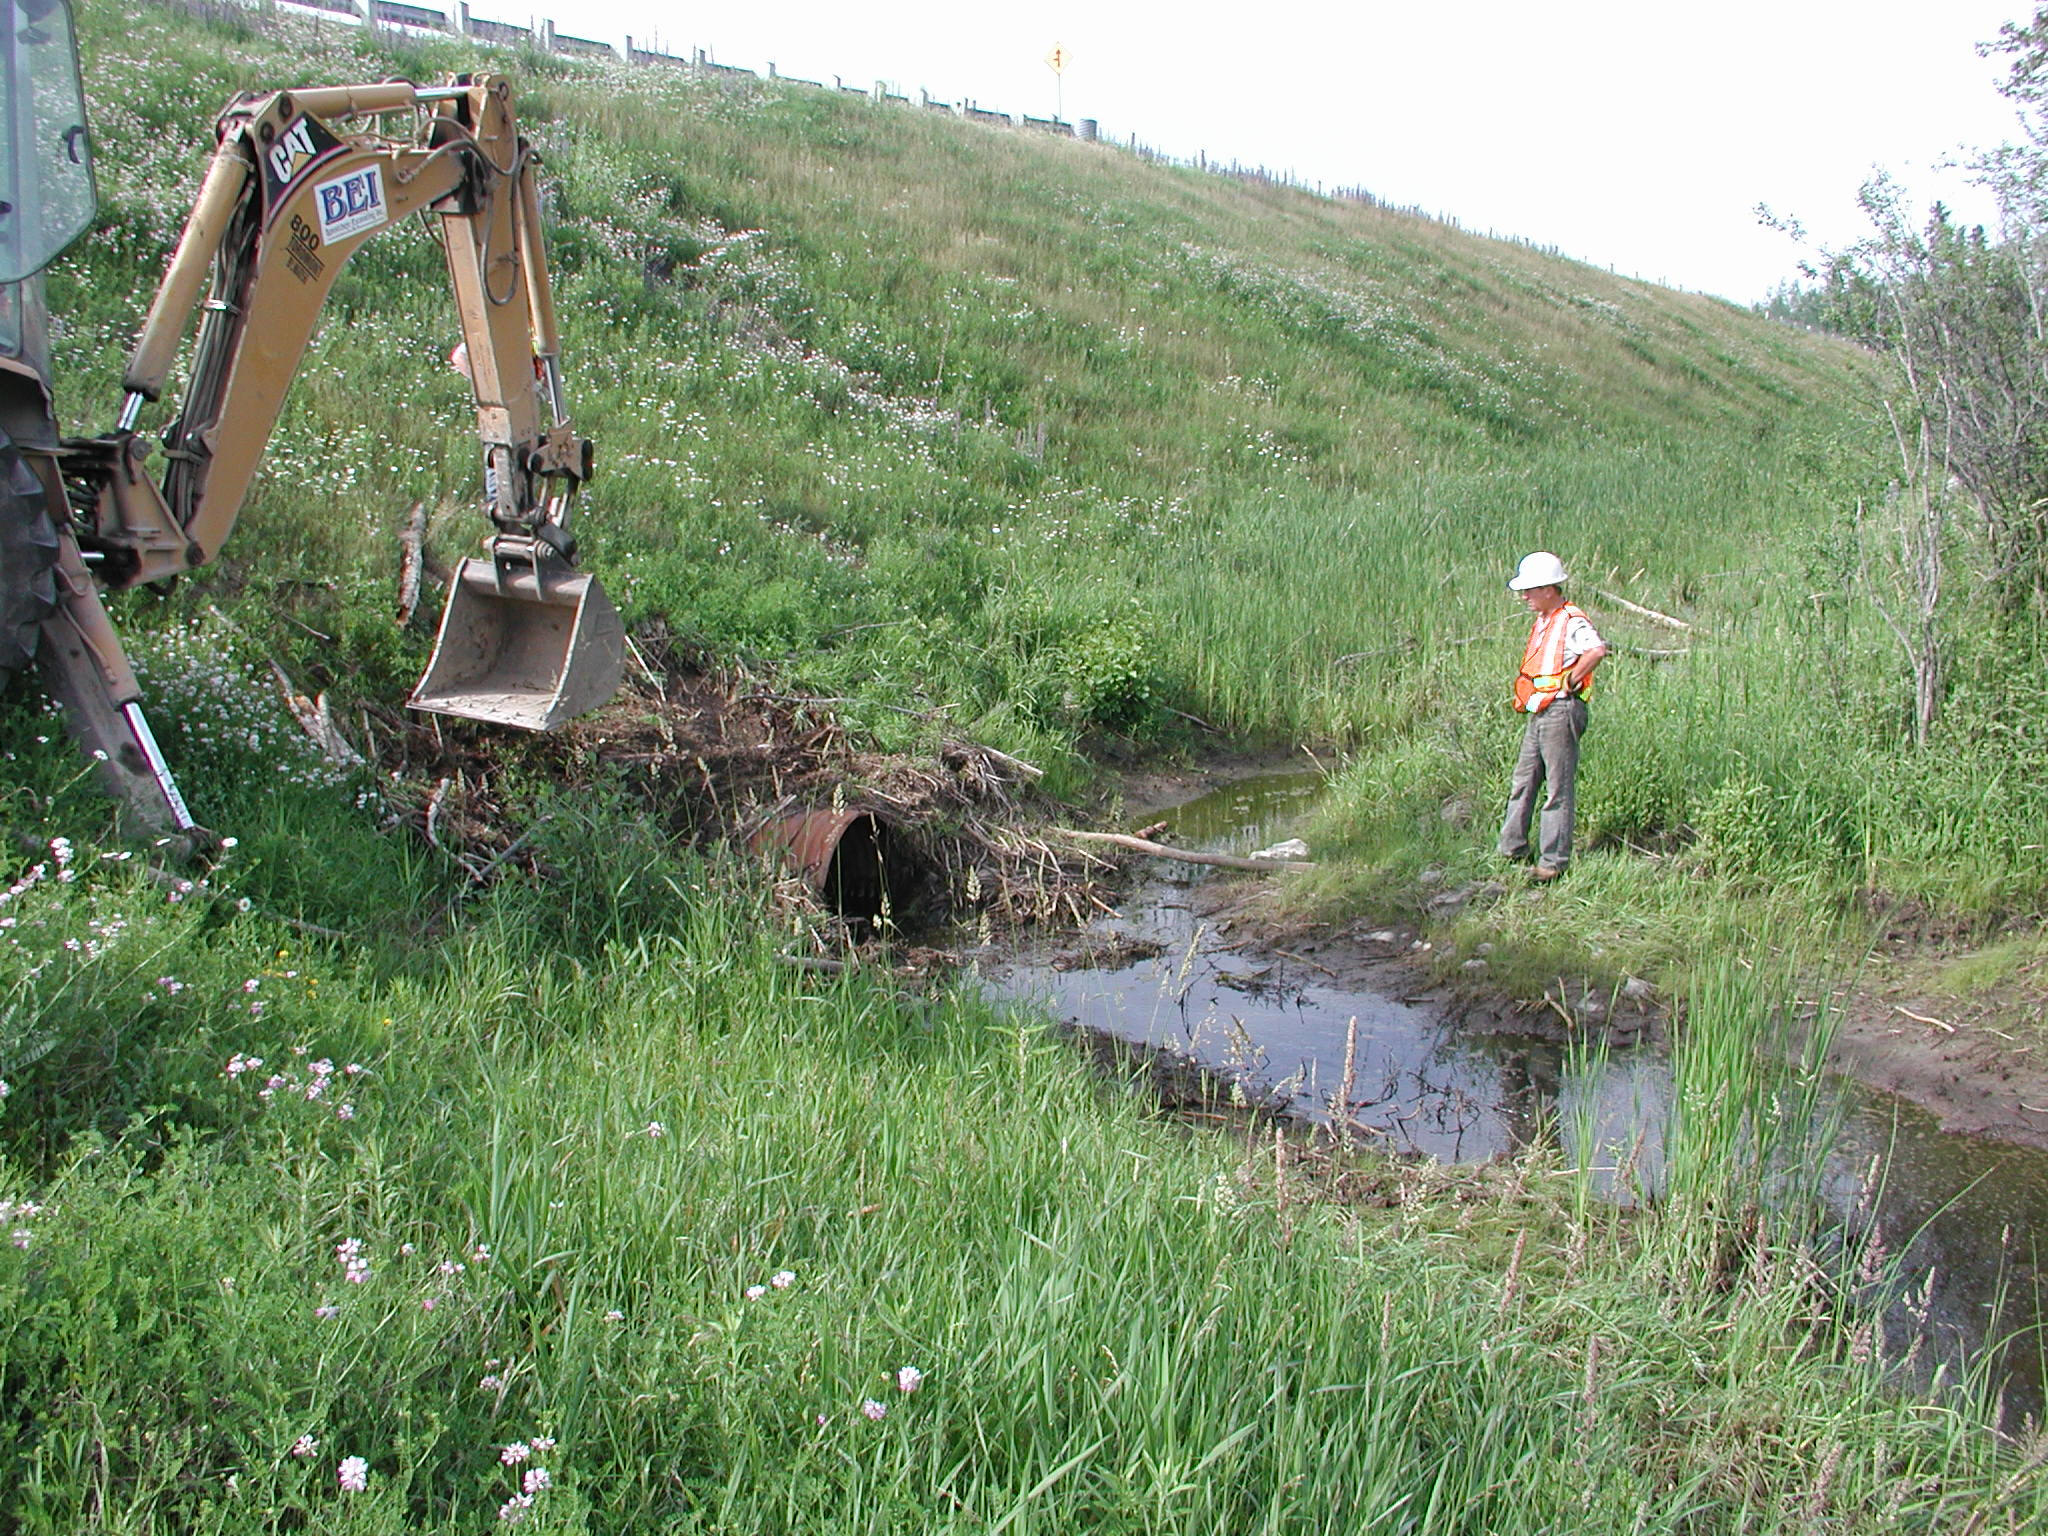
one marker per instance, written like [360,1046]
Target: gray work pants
[1549,762]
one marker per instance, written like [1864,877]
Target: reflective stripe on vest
[1543,675]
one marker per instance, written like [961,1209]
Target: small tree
[1961,316]
[1905,587]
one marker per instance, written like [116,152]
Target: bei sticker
[351,204]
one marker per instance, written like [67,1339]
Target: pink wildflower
[756,1292]
[873,1409]
[535,1480]
[782,1279]
[304,1447]
[514,1509]
[353,1474]
[515,1453]
[909,1379]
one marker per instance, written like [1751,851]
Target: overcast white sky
[1629,133]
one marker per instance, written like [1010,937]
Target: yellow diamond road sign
[1058,58]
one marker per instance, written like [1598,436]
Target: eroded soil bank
[1968,1059]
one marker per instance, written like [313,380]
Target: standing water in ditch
[1959,1212]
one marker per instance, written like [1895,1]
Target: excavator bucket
[518,650]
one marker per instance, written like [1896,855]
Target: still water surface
[1963,1212]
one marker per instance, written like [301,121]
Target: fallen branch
[1216,730]
[434,810]
[1017,764]
[1637,608]
[300,925]
[812,963]
[646,667]
[803,701]
[479,873]
[1182,855]
[1921,1018]
[316,720]
[1288,954]
[412,541]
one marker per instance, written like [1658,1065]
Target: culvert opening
[857,863]
[868,872]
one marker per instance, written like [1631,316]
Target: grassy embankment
[1078,441]
[1066,449]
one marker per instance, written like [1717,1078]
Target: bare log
[1182,855]
[1015,764]
[1637,608]
[316,719]
[412,540]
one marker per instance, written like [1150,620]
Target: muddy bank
[1957,1060]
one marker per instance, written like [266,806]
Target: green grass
[1120,1326]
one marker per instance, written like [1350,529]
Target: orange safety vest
[1543,678]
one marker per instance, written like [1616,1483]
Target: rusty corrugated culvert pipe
[848,856]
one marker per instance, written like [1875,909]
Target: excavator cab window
[46,187]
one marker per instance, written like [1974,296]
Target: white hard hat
[1542,569]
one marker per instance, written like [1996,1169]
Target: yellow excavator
[300,179]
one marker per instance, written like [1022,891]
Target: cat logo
[290,153]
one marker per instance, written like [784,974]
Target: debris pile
[728,755]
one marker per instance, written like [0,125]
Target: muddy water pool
[1962,1214]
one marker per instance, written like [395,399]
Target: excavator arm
[300,180]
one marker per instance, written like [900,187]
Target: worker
[1550,690]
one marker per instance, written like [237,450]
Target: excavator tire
[28,558]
